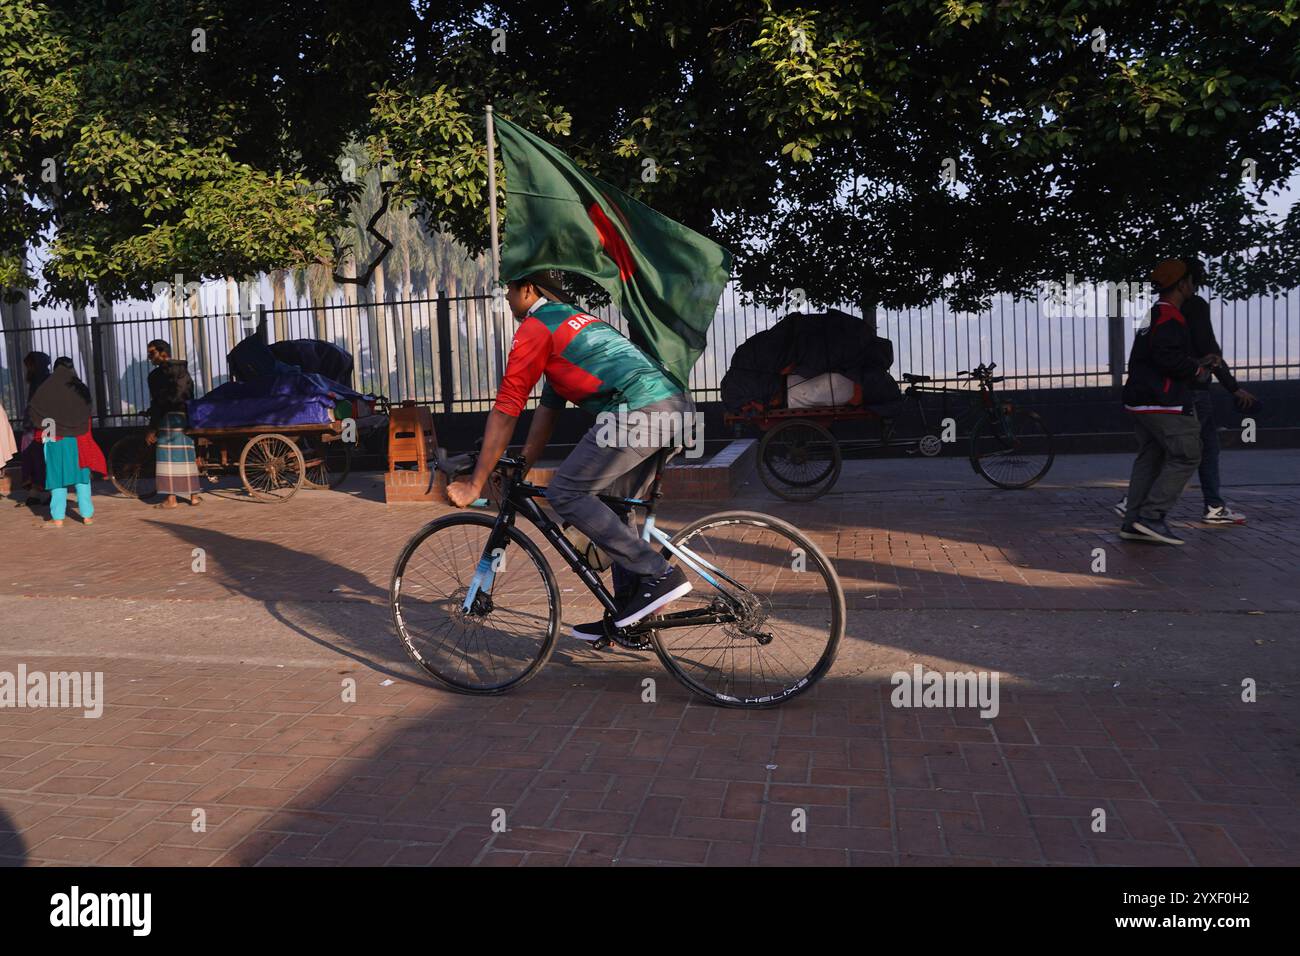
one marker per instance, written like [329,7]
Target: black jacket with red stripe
[1161,366]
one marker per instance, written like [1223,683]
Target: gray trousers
[1169,449]
[623,468]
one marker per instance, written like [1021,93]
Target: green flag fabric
[666,279]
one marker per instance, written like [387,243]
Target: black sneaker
[595,630]
[652,594]
[1130,533]
[588,632]
[1120,507]
[1155,529]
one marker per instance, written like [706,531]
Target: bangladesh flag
[666,279]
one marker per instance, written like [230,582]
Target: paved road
[1121,692]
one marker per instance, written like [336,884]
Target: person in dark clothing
[1201,330]
[170,390]
[36,369]
[1158,394]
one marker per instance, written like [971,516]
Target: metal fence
[450,351]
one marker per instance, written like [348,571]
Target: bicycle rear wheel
[1011,447]
[790,608]
[509,630]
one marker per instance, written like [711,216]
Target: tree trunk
[108,342]
[16,323]
[279,303]
[408,333]
[383,324]
[201,344]
[233,319]
[176,325]
[352,319]
[81,326]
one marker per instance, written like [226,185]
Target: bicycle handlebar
[458,465]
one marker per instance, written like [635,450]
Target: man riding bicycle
[588,362]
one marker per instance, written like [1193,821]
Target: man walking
[170,389]
[1158,394]
[1201,331]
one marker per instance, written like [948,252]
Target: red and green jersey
[585,360]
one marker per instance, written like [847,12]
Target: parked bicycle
[1010,446]
[477,606]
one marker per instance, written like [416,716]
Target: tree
[180,136]
[1091,139]
[1086,138]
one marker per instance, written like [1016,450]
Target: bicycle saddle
[909,377]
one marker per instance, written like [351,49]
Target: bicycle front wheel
[510,626]
[787,604]
[1011,448]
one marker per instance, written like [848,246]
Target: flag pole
[492,192]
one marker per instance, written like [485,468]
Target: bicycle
[800,460]
[1010,446]
[757,635]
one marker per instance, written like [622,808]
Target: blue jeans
[1209,467]
[59,502]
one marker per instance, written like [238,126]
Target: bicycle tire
[801,488]
[815,558]
[1041,433]
[131,464]
[400,622]
[328,463]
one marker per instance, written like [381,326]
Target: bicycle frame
[987,404]
[518,498]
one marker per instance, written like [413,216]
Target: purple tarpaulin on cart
[295,398]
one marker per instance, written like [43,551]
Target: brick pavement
[587,774]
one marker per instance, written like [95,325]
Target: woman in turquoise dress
[60,413]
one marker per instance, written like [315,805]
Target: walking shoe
[1222,514]
[1129,533]
[588,632]
[652,594]
[1155,529]
[1121,507]
[595,630]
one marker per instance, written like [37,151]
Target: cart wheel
[272,468]
[799,460]
[131,463]
[328,462]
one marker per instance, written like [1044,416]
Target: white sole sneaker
[682,589]
[1150,535]
[584,636]
[1229,518]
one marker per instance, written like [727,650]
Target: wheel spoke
[788,630]
[506,634]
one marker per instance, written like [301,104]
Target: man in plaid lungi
[170,387]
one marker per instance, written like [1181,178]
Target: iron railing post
[97,367]
[1118,360]
[446,390]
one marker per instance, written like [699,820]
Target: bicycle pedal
[600,644]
